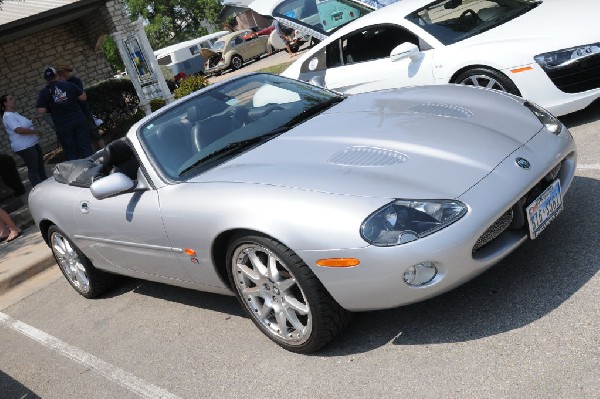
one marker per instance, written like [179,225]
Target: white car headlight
[548,120]
[566,57]
[403,221]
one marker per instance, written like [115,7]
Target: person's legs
[40,162]
[64,133]
[10,174]
[81,136]
[8,229]
[32,157]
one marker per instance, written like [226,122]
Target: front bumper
[377,283]
[535,85]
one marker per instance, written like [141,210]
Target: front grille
[515,218]
[495,230]
[578,77]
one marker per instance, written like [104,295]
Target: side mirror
[405,50]
[113,184]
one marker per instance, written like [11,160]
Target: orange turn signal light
[517,70]
[190,252]
[338,262]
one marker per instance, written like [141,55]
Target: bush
[117,104]
[189,85]
[157,103]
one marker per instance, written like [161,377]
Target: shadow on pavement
[529,284]
[12,388]
[524,287]
[588,115]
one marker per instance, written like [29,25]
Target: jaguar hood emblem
[523,163]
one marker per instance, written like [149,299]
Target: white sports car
[307,204]
[548,51]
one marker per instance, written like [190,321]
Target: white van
[185,56]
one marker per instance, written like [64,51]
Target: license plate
[544,209]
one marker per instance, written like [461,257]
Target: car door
[360,61]
[253,47]
[127,231]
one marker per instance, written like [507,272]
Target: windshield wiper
[229,149]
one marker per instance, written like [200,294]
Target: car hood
[535,32]
[419,142]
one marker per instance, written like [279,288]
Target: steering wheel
[270,109]
[469,16]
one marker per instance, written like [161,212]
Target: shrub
[189,85]
[117,104]
[157,103]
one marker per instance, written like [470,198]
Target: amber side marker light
[190,252]
[338,262]
[521,69]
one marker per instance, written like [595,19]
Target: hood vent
[442,110]
[367,156]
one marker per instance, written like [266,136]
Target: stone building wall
[77,43]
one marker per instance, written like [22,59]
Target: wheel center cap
[276,291]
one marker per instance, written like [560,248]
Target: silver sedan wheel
[483,81]
[271,293]
[69,262]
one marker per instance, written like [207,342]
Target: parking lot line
[593,166]
[122,377]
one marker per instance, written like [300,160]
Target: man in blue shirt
[61,100]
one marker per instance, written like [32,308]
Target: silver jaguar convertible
[309,205]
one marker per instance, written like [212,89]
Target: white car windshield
[218,123]
[451,21]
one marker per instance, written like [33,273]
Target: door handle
[85,207]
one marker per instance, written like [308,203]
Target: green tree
[111,52]
[173,21]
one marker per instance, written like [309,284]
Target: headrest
[115,153]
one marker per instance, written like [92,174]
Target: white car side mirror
[405,50]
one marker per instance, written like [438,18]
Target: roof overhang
[23,23]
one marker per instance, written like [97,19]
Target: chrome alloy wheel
[272,294]
[483,81]
[70,263]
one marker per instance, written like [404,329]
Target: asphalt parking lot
[528,328]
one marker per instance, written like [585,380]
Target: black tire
[236,62]
[288,294]
[487,77]
[76,267]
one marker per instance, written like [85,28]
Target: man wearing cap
[61,100]
[65,73]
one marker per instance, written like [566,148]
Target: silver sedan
[309,205]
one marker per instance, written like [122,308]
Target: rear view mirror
[452,4]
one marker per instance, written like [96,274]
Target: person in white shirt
[23,139]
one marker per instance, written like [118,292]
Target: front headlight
[547,119]
[566,57]
[403,221]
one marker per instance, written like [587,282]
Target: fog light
[420,274]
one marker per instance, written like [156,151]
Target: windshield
[218,123]
[325,16]
[218,46]
[451,21]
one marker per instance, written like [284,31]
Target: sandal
[12,236]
